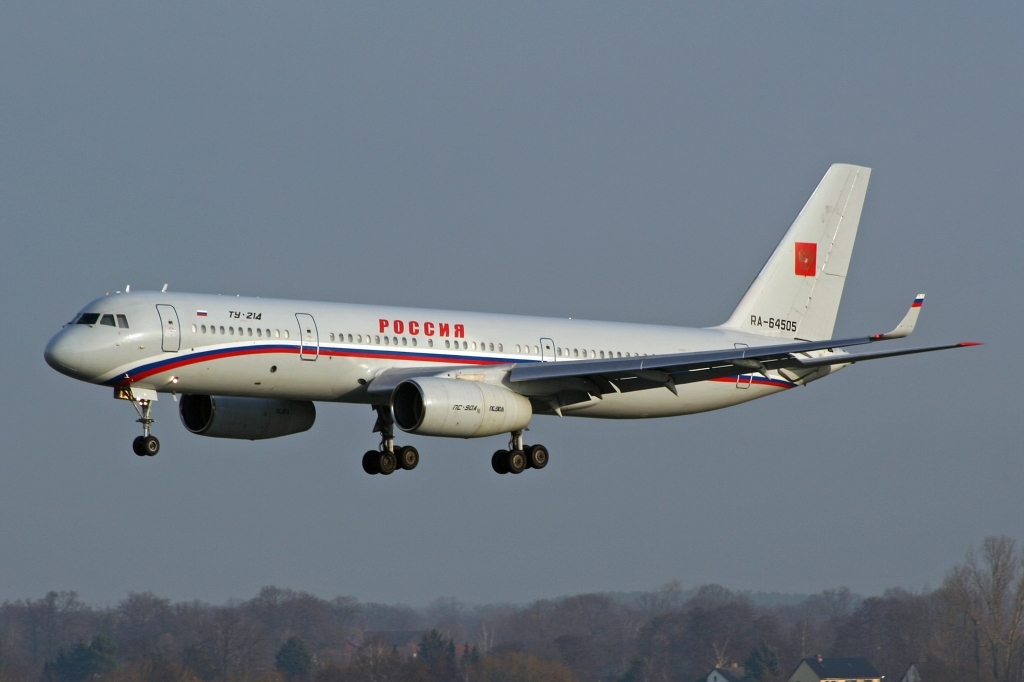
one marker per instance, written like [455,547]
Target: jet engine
[454,408]
[245,418]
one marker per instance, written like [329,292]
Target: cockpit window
[88,318]
[107,320]
[122,321]
[73,319]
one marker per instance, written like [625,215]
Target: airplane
[252,368]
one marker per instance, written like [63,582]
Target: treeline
[971,627]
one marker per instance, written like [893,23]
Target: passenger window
[332,336]
[376,340]
[350,338]
[359,338]
[387,341]
[618,355]
[536,351]
[499,347]
[519,348]
[405,341]
[447,343]
[203,328]
[267,332]
[490,346]
[259,332]
[193,329]
[394,340]
[474,345]
[222,330]
[414,340]
[430,342]
[287,335]
[231,331]
[122,321]
[575,352]
[107,320]
[248,331]
[277,333]
[88,318]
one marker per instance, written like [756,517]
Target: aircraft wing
[385,382]
[638,373]
[635,373]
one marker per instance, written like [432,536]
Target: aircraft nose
[64,353]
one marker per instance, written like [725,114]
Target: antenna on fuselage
[164,290]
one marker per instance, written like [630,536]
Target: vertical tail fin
[797,292]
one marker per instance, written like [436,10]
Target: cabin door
[309,338]
[171,341]
[743,380]
[547,350]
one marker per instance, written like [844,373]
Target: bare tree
[989,590]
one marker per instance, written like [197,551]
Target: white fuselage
[305,350]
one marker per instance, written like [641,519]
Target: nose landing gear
[145,445]
[388,458]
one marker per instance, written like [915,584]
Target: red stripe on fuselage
[207,356]
[777,383]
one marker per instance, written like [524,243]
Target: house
[911,675]
[405,642]
[820,669]
[734,673]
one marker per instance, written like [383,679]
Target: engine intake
[245,418]
[453,408]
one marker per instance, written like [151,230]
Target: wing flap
[849,359]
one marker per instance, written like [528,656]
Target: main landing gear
[145,445]
[519,457]
[387,458]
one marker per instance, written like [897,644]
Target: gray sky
[616,162]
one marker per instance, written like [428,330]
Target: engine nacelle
[245,418]
[430,406]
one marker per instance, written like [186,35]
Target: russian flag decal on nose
[201,313]
[806,258]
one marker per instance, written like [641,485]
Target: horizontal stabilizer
[907,324]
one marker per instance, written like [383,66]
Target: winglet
[906,325]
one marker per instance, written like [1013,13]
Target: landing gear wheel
[516,462]
[145,445]
[408,457]
[371,461]
[499,462]
[150,445]
[537,456]
[386,463]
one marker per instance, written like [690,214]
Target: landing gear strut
[519,457]
[145,445]
[387,458]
